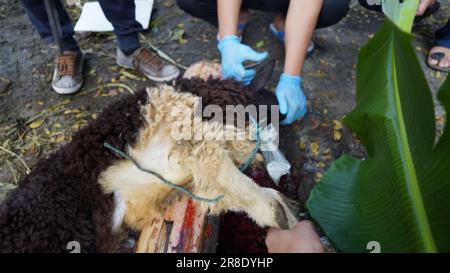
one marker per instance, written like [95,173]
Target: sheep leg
[267,207]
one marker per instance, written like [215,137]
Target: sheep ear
[263,74]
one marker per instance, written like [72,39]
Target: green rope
[252,156]
[180,188]
[175,186]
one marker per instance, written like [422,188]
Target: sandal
[437,56]
[281,34]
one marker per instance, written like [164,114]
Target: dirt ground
[34,121]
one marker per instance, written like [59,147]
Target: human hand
[291,98]
[423,6]
[233,55]
[301,239]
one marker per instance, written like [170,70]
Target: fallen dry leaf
[301,146]
[337,135]
[259,44]
[315,148]
[319,177]
[36,124]
[337,125]
[72,111]
[57,125]
[320,165]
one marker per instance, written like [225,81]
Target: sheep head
[204,80]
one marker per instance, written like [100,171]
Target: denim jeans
[121,14]
[332,11]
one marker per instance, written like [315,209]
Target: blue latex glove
[233,54]
[291,98]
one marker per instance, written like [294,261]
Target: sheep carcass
[87,194]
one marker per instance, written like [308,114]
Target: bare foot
[439,58]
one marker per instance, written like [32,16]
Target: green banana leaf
[399,197]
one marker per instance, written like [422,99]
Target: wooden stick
[162,54]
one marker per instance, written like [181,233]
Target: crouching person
[293,26]
[68,74]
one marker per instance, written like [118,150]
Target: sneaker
[68,74]
[149,64]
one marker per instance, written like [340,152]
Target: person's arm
[228,14]
[301,21]
[301,239]
[233,53]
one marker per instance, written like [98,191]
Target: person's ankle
[244,16]
[76,50]
[71,45]
[128,43]
[129,51]
[279,22]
